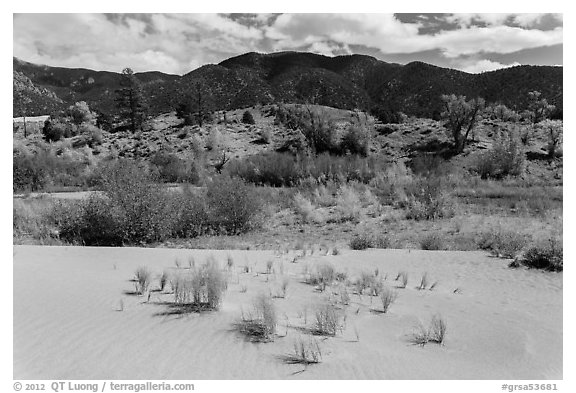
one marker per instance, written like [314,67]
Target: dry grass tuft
[305,352]
[260,324]
[143,278]
[387,297]
[328,320]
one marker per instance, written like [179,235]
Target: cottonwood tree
[130,100]
[460,118]
[553,129]
[539,107]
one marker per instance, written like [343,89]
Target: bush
[355,140]
[427,200]
[387,297]
[28,174]
[192,218]
[142,208]
[92,222]
[348,203]
[202,288]
[505,158]
[172,169]
[328,321]
[247,118]
[233,205]
[142,277]
[58,127]
[260,324]
[505,244]
[361,242]
[548,256]
[304,208]
[432,241]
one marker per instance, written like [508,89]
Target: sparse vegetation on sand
[200,288]
[142,280]
[328,320]
[259,324]
[436,332]
[306,351]
[387,297]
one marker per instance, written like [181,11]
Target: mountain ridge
[348,82]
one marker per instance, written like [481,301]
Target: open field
[76,317]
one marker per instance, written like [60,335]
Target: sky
[180,43]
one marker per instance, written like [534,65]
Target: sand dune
[502,323]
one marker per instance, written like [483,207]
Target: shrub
[142,277]
[427,200]
[505,244]
[81,113]
[355,140]
[505,158]
[432,241]
[305,352]
[171,168]
[233,205]
[348,203]
[328,321]
[260,324]
[247,118]
[28,174]
[323,276]
[304,208]
[191,211]
[547,256]
[58,127]
[214,140]
[202,288]
[142,208]
[92,222]
[360,242]
[437,330]
[387,297]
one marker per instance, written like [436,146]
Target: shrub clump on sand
[260,323]
[142,280]
[436,332]
[200,288]
[328,320]
[546,256]
[361,242]
[432,241]
[504,244]
[133,209]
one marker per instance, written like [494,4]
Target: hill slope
[355,81]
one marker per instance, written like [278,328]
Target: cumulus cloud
[178,43]
[389,35]
[485,65]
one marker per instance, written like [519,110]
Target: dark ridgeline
[348,82]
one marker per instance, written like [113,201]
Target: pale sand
[505,324]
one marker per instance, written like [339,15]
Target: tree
[460,118]
[247,118]
[196,106]
[81,113]
[20,101]
[130,100]
[539,107]
[554,130]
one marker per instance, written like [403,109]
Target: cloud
[387,34]
[169,43]
[485,65]
[177,43]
